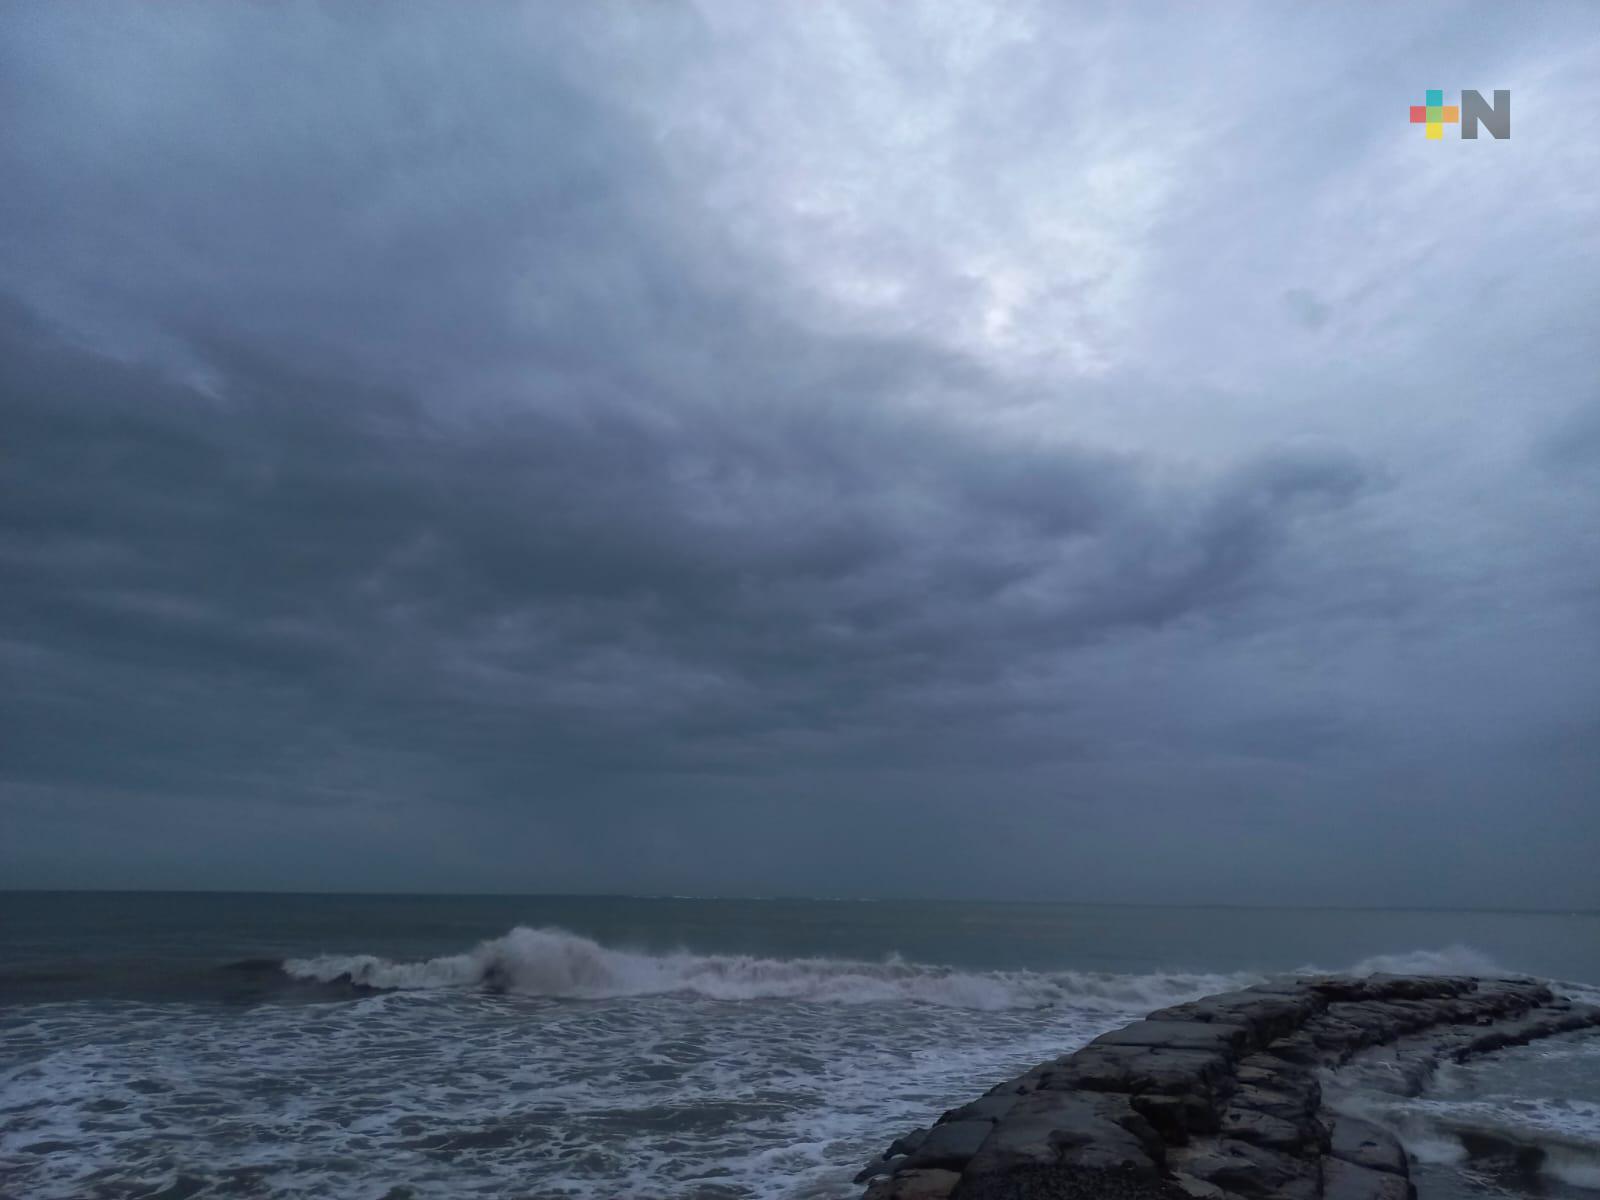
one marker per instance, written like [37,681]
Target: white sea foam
[452,1093]
[1537,1121]
[555,963]
[1582,993]
[1537,1107]
[1565,1132]
[761,1078]
[1451,960]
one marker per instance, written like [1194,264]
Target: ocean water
[210,1045]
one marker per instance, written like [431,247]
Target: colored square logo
[1469,115]
[1435,114]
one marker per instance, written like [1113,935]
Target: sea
[174,1045]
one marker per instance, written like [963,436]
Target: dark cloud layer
[450,451]
[588,588]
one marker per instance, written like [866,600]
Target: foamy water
[1522,1121]
[545,1063]
[700,1078]
[555,963]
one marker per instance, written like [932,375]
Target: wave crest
[556,963]
[1452,960]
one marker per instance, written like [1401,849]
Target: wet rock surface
[1221,1098]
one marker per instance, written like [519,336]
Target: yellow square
[1435,131]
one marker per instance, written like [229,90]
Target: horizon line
[796,898]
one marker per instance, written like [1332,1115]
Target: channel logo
[1434,114]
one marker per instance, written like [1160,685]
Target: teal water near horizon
[282,1045]
[109,927]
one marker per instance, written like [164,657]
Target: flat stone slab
[1264,1129]
[950,1145]
[1054,1128]
[1286,1105]
[1345,1181]
[1367,1145]
[1246,1170]
[915,1185]
[1110,1067]
[1050,1183]
[1179,1035]
[985,1108]
[1265,1015]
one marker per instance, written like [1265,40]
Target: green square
[1435,112]
[1435,98]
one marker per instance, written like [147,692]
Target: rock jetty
[1221,1098]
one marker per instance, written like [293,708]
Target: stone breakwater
[1221,1098]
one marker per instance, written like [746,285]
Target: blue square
[1435,95]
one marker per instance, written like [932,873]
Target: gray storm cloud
[857,450]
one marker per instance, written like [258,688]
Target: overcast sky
[1029,450]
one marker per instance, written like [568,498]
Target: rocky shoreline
[1221,1098]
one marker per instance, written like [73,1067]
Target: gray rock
[1367,1145]
[1540,1022]
[1078,1183]
[1372,1022]
[1268,1073]
[1299,1138]
[1180,1035]
[1078,1129]
[1199,1188]
[1390,987]
[950,1145]
[1265,1015]
[1346,1181]
[1028,1081]
[1176,1118]
[1104,1067]
[987,1108]
[915,1185]
[1298,1049]
[905,1143]
[1247,1170]
[1294,1106]
[1218,1099]
[1338,1038]
[880,1166]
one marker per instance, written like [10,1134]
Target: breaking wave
[555,963]
[1458,960]
[558,964]
[1452,960]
